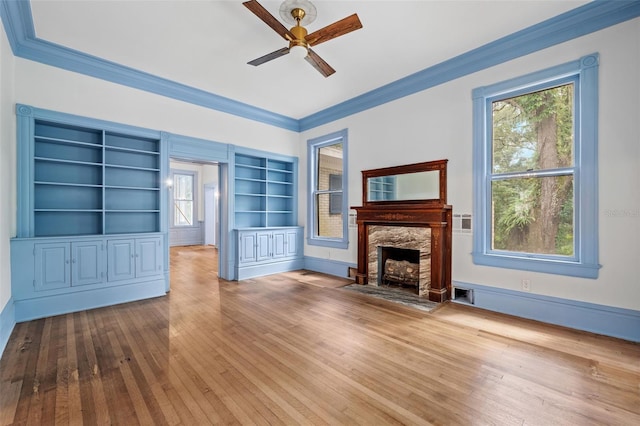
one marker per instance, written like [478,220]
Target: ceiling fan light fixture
[298,51]
[288,8]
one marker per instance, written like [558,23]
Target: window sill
[548,266]
[326,242]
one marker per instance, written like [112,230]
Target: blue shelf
[88,181]
[264,194]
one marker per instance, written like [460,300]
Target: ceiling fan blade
[269,56]
[338,28]
[269,19]
[318,63]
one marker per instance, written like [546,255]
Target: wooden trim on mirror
[439,165]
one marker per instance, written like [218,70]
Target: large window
[183,198]
[535,171]
[327,204]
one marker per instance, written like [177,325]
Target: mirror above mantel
[418,183]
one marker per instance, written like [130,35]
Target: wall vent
[463,295]
[462,223]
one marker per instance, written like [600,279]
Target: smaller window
[327,203]
[183,198]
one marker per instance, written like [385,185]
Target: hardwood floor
[286,349]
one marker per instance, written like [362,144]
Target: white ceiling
[206,44]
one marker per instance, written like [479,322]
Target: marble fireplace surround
[403,237]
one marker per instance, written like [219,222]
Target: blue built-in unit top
[265,191]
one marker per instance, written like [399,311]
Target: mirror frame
[439,165]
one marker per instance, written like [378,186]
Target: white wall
[437,124]
[52,88]
[7,165]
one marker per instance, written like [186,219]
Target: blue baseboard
[600,319]
[42,307]
[326,266]
[259,270]
[7,323]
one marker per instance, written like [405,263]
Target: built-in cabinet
[268,250]
[66,264]
[134,258]
[265,213]
[90,223]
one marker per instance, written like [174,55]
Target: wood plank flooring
[286,349]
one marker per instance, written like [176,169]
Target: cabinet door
[292,246]
[87,262]
[279,244]
[120,260]
[264,245]
[247,244]
[148,257]
[52,263]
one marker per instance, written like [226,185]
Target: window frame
[584,262]
[313,147]
[194,191]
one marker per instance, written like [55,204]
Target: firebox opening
[399,267]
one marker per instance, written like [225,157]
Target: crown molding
[18,23]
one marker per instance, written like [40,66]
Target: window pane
[533,131]
[183,213]
[533,215]
[328,225]
[183,185]
[329,163]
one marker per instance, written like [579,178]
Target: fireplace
[397,242]
[393,222]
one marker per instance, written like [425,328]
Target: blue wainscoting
[187,235]
[600,319]
[7,323]
[327,266]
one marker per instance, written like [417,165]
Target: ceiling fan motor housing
[300,33]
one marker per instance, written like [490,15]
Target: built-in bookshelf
[89,181]
[90,214]
[264,192]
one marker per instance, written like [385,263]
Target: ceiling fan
[300,12]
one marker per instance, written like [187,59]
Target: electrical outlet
[526,285]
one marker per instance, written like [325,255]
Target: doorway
[193,203]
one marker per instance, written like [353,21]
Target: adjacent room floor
[295,348]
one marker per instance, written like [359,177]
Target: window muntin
[183,199]
[327,191]
[509,174]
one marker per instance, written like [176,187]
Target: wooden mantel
[438,218]
[432,212]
